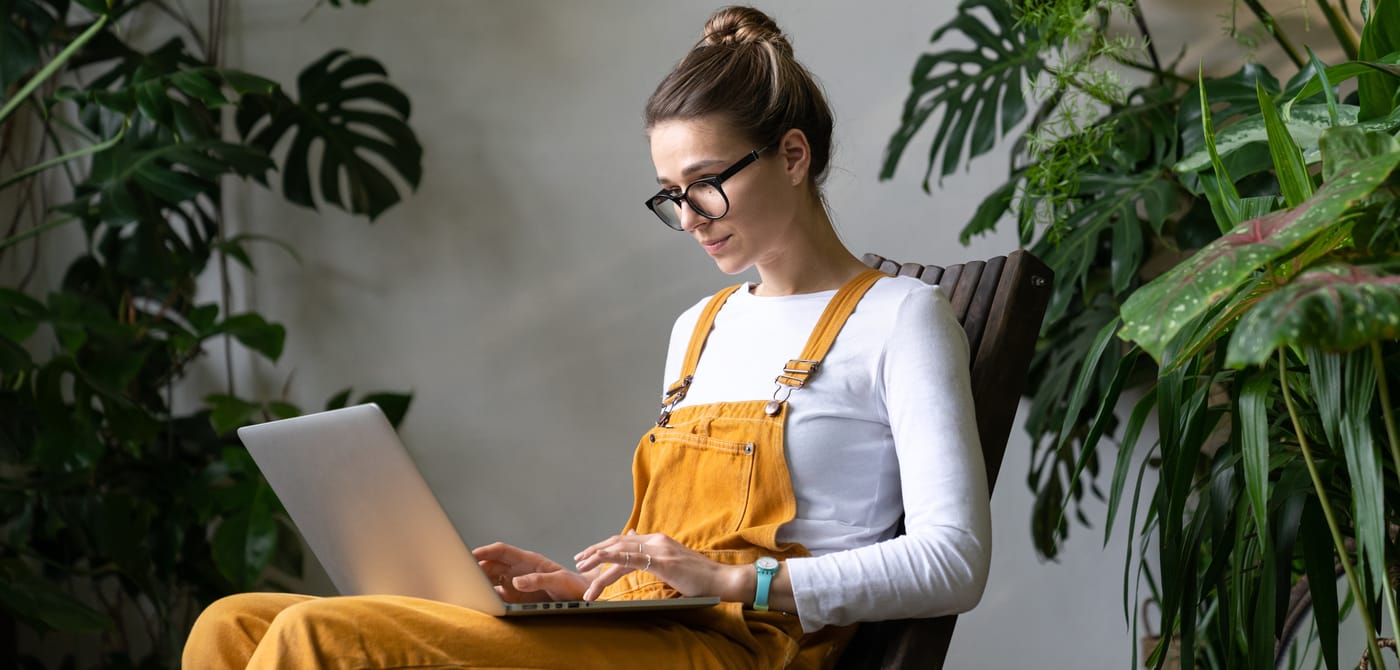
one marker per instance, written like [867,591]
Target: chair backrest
[1001,303]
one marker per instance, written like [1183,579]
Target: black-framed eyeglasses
[704,196]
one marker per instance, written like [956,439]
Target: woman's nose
[689,219]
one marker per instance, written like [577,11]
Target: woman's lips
[714,245]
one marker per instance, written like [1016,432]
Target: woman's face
[762,200]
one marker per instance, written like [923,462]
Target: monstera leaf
[344,104]
[974,87]
[1335,307]
[147,173]
[1154,314]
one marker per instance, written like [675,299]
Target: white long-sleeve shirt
[885,427]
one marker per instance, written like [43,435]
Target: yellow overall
[713,477]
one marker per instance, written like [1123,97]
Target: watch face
[767,563]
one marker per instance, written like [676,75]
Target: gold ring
[639,547]
[626,559]
[648,565]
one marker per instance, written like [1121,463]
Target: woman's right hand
[522,576]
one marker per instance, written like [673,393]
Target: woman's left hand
[682,568]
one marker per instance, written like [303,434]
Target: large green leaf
[1154,314]
[1231,98]
[394,405]
[1305,125]
[1254,445]
[1289,167]
[229,412]
[344,104]
[1344,145]
[149,173]
[1344,388]
[1336,74]
[246,541]
[1219,186]
[254,332]
[975,87]
[1334,307]
[1380,37]
[26,28]
[1110,202]
[1320,566]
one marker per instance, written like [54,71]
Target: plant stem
[1279,36]
[35,169]
[1342,28]
[9,242]
[1146,35]
[1326,505]
[54,65]
[1163,74]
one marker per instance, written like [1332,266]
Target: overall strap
[676,391]
[797,371]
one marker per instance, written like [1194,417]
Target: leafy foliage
[118,504]
[976,89]
[1244,233]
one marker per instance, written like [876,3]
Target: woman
[782,497]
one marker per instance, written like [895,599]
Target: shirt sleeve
[939,566]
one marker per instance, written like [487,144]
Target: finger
[614,553]
[602,543]
[497,551]
[559,585]
[493,569]
[526,583]
[603,580]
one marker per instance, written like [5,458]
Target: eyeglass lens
[705,198]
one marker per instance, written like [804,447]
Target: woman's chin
[731,266]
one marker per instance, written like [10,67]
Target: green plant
[1243,234]
[124,513]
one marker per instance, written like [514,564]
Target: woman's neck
[816,260]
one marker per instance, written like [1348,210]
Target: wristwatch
[767,567]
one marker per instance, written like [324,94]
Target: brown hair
[743,71]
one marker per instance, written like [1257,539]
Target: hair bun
[736,25]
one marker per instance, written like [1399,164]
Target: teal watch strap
[766,567]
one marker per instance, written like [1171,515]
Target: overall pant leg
[267,631]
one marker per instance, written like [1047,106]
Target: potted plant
[1228,245]
[124,515]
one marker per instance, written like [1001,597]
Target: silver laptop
[368,515]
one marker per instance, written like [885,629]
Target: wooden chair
[1000,303]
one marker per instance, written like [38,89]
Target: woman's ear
[796,154]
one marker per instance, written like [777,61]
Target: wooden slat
[967,285]
[932,274]
[914,270]
[949,281]
[978,311]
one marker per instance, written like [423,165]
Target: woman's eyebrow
[695,167]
